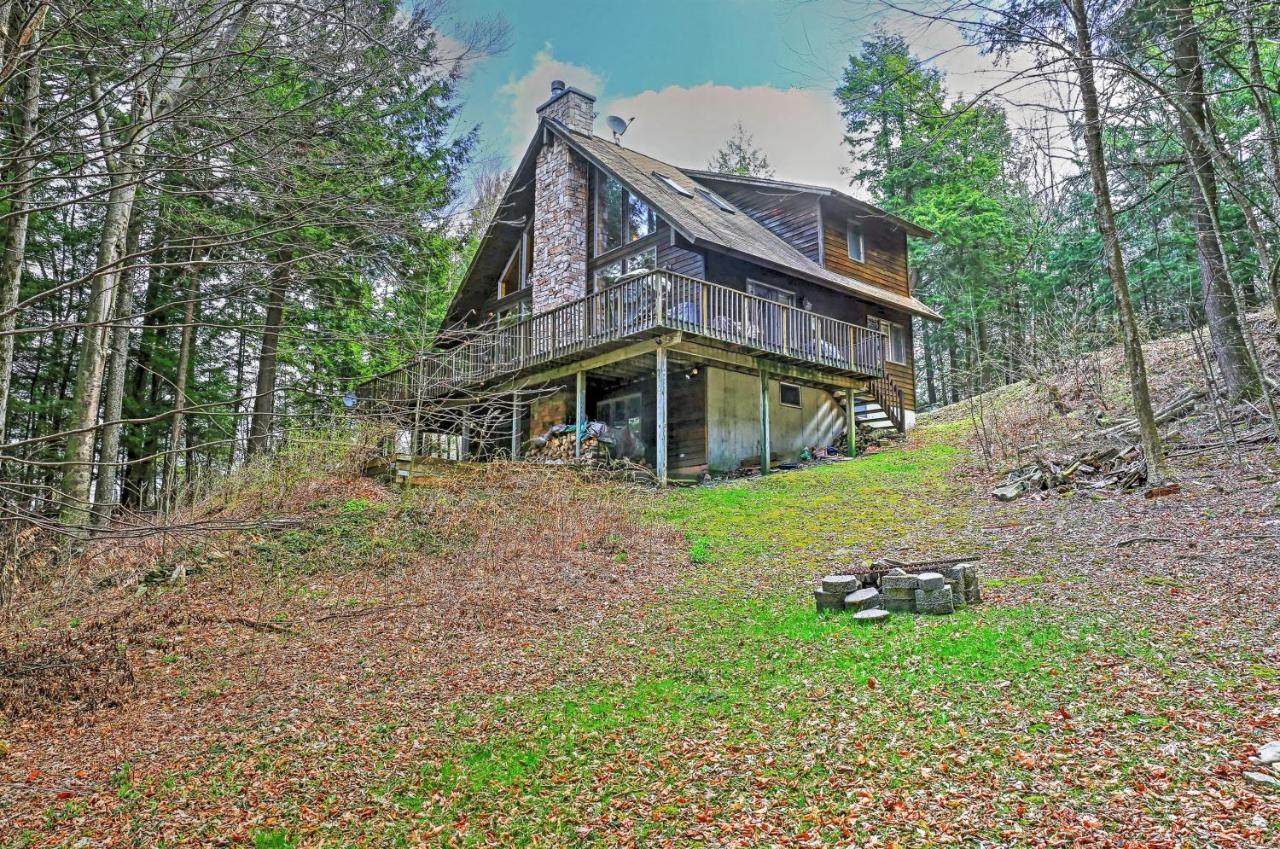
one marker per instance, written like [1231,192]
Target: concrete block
[972,592]
[871,616]
[862,599]
[828,601]
[901,605]
[899,582]
[841,583]
[935,602]
[931,581]
[905,593]
[957,592]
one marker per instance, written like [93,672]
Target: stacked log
[559,444]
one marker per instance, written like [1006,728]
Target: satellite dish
[617,126]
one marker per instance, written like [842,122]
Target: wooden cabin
[717,321]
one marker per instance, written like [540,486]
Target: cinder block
[931,581]
[828,601]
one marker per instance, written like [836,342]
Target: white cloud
[525,94]
[798,129]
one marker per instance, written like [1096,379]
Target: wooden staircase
[881,406]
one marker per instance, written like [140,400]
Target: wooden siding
[791,216]
[677,259]
[884,251]
[903,374]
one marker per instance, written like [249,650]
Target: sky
[689,70]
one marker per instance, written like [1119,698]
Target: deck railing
[652,301]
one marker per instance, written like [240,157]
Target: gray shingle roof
[702,222]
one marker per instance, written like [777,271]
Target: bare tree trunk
[21,173]
[264,402]
[1113,255]
[105,496]
[92,362]
[125,165]
[1239,374]
[926,342]
[1270,142]
[180,390]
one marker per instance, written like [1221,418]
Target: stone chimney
[570,106]
[560,198]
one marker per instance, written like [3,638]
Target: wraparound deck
[644,305]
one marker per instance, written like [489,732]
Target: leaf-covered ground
[1107,693]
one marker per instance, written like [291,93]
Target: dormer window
[719,202]
[672,184]
[621,217]
[853,234]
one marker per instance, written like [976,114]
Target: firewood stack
[1107,467]
[558,444]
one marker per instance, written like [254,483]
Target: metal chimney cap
[557,86]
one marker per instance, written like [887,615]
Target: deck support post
[851,420]
[515,425]
[765,449]
[660,429]
[580,415]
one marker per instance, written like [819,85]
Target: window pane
[613,208]
[528,257]
[645,260]
[608,275]
[898,340]
[640,219]
[510,282]
[854,234]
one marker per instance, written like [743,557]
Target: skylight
[721,203]
[672,184]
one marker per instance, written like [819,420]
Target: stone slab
[841,583]
[931,581]
[906,593]
[871,616]
[957,592]
[828,601]
[862,599]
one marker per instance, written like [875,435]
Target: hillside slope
[521,656]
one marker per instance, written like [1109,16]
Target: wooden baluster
[702,310]
[786,320]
